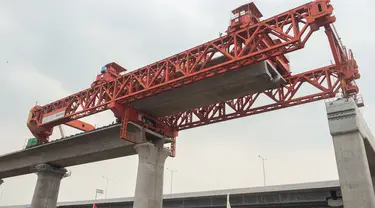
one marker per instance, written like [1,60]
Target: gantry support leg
[354,149]
[47,186]
[149,187]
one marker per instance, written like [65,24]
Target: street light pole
[106,186]
[172,171]
[264,170]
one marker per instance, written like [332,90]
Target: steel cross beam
[244,47]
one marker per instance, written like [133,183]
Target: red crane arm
[243,47]
[325,80]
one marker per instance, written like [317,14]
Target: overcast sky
[51,49]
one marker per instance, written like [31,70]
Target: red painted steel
[328,81]
[80,125]
[346,64]
[248,41]
[237,49]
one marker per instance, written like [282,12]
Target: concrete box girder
[100,144]
[229,85]
[97,145]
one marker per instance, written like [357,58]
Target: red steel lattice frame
[237,49]
[247,46]
[329,81]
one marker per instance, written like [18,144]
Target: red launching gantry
[248,41]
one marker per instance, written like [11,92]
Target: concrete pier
[354,149]
[149,187]
[47,186]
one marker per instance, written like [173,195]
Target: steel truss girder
[247,46]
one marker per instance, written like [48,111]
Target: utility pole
[264,170]
[106,186]
[172,171]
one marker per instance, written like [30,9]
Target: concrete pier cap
[46,168]
[342,116]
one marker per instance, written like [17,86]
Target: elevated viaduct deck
[97,145]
